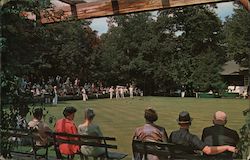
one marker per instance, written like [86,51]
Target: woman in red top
[67,125]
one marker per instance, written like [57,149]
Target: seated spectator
[218,134]
[37,124]
[21,123]
[189,143]
[88,128]
[150,132]
[67,125]
[21,117]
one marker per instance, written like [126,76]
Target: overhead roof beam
[72,2]
[105,8]
[246,4]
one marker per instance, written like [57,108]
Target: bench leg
[81,157]
[70,157]
[86,157]
[46,153]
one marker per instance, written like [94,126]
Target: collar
[219,125]
[184,129]
[35,120]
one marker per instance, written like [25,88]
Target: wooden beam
[246,4]
[104,8]
[72,2]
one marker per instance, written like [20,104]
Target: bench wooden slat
[80,143]
[80,136]
[9,134]
[86,140]
[116,155]
[161,149]
[22,134]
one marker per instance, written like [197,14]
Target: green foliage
[180,47]
[128,48]
[14,102]
[206,75]
[69,52]
[19,34]
[237,33]
[244,144]
[67,48]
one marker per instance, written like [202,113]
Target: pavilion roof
[232,68]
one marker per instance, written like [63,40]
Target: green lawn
[119,118]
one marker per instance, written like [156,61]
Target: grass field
[119,118]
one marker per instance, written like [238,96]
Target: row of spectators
[217,142]
[64,87]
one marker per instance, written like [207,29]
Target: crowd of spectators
[64,86]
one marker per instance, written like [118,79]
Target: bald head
[220,118]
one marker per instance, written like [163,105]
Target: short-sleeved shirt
[93,130]
[67,126]
[150,132]
[189,142]
[218,135]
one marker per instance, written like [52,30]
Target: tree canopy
[158,52]
[237,32]
[176,47]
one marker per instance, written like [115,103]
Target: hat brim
[184,122]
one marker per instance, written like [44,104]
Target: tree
[66,48]
[237,33]
[166,51]
[68,53]
[128,50]
[199,41]
[19,34]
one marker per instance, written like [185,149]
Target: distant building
[235,75]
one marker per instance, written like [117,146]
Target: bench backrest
[76,139]
[13,134]
[21,137]
[144,148]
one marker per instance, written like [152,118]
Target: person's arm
[135,136]
[46,127]
[170,138]
[99,132]
[165,136]
[203,135]
[209,150]
[237,138]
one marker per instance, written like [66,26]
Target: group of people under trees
[66,125]
[118,92]
[49,90]
[218,141]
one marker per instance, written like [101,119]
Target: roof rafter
[80,10]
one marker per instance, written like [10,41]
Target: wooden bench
[141,149]
[164,151]
[21,143]
[85,140]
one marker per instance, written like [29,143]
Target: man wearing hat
[187,143]
[218,134]
[67,125]
[150,131]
